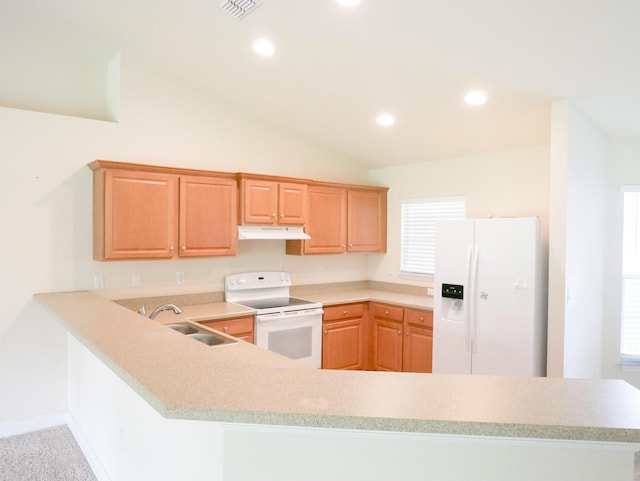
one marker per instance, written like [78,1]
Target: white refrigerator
[489,298]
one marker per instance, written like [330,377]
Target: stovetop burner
[267,292]
[275,302]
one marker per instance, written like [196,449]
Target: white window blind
[630,332]
[418,231]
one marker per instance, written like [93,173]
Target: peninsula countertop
[241,383]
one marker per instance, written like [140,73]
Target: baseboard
[33,424]
[87,450]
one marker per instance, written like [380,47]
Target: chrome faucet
[165,307]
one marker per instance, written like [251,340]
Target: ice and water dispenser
[452,299]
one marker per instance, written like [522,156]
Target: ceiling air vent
[239,8]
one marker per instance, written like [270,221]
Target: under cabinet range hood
[246,232]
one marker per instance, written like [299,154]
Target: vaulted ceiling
[336,68]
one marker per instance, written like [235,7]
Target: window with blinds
[418,231]
[630,332]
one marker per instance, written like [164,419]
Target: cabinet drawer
[343,311]
[239,325]
[383,311]
[421,318]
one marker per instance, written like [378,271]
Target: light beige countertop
[364,295]
[182,378]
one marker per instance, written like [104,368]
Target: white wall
[623,168]
[585,248]
[125,439]
[513,183]
[46,211]
[322,454]
[579,153]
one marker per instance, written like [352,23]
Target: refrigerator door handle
[473,318]
[469,296]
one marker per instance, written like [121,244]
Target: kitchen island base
[125,438]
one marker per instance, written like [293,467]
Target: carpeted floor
[48,455]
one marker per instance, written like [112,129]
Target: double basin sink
[202,334]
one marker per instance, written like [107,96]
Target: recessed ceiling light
[264,47]
[385,120]
[349,3]
[475,97]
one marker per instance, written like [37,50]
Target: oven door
[294,334]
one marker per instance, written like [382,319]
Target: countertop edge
[55,305]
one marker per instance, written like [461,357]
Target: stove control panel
[257,280]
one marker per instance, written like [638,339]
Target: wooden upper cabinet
[265,202]
[148,212]
[367,221]
[135,214]
[326,222]
[208,224]
[292,203]
[155,212]
[343,219]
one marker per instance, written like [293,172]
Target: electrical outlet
[136,280]
[179,278]
[98,282]
[430,291]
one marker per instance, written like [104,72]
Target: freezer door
[451,341]
[505,329]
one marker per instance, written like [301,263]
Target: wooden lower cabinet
[402,339]
[343,336]
[239,327]
[417,349]
[387,337]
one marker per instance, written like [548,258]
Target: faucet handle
[143,309]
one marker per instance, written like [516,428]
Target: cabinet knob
[386,313]
[399,332]
[406,333]
[273,214]
[350,246]
[282,216]
[225,328]
[326,332]
[171,248]
[183,248]
[344,313]
[421,319]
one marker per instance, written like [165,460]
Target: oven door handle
[277,316]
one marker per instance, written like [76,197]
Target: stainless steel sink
[202,334]
[183,328]
[208,338]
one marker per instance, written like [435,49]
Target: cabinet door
[326,220]
[387,345]
[367,221]
[292,203]
[342,344]
[417,349]
[240,327]
[137,215]
[208,224]
[259,202]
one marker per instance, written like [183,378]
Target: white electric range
[287,325]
